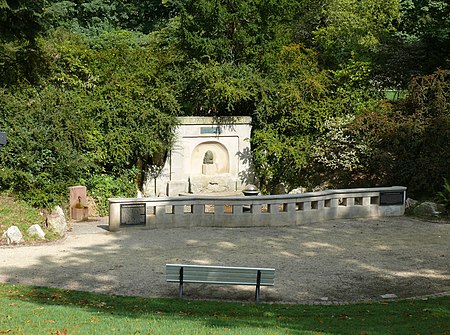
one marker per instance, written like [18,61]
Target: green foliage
[21,19]
[290,99]
[290,111]
[429,95]
[394,144]
[353,86]
[338,155]
[84,135]
[214,88]
[351,27]
[67,58]
[21,22]
[429,100]
[41,158]
[425,19]
[234,31]
[419,46]
[444,195]
[279,159]
[103,118]
[103,186]
[90,89]
[94,17]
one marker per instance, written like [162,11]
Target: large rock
[298,190]
[411,204]
[36,230]
[428,208]
[13,235]
[57,221]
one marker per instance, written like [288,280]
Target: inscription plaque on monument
[391,198]
[210,130]
[132,214]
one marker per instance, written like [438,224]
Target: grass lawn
[38,310]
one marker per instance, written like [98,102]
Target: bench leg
[257,294]
[258,286]
[180,289]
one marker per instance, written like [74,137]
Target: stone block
[57,221]
[36,230]
[177,187]
[13,235]
[80,214]
[212,184]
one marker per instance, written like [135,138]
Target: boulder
[13,235]
[298,190]
[411,203]
[427,208]
[57,221]
[36,230]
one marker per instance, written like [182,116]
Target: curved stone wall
[256,211]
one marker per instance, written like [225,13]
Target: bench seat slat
[188,272]
[244,281]
[229,280]
[220,283]
[216,267]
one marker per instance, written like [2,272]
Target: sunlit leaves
[235,31]
[354,26]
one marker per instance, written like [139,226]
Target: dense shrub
[444,195]
[83,136]
[338,156]
[88,119]
[103,186]
[395,144]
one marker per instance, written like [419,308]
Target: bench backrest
[219,274]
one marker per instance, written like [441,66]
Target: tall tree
[20,23]
[420,44]
[234,30]
[353,29]
[92,17]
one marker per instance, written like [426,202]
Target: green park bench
[220,275]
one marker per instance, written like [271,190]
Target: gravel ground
[337,261]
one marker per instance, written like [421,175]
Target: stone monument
[210,155]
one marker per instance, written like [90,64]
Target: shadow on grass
[429,316]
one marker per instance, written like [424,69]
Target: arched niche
[220,158]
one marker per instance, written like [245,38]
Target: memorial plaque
[210,130]
[391,198]
[132,214]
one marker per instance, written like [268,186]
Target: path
[335,261]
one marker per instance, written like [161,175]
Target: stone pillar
[114,216]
